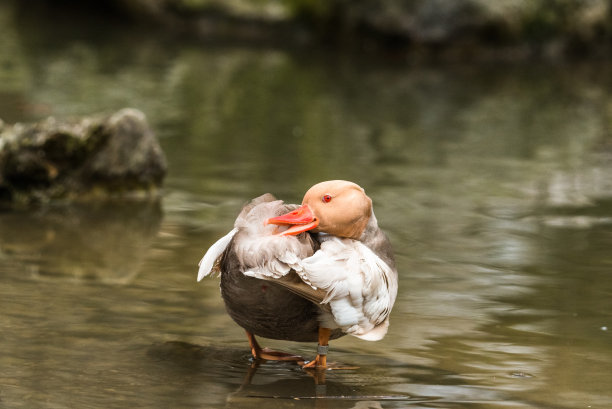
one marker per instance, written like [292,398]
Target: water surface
[493,182]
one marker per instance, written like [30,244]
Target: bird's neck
[371,228]
[374,238]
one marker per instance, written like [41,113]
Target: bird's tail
[213,253]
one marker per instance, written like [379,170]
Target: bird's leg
[255,348]
[269,354]
[320,362]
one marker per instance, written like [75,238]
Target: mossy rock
[97,156]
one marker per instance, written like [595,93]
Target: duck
[308,273]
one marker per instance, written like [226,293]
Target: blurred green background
[481,130]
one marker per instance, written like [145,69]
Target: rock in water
[97,156]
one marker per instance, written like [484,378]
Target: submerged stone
[96,156]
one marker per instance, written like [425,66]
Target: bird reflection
[260,380]
[319,396]
[305,389]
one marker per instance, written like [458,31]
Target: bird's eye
[327,198]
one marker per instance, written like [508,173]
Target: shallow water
[494,184]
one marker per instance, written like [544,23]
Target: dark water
[493,182]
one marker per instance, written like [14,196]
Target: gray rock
[96,156]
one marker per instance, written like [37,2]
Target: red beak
[301,219]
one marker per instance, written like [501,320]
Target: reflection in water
[493,183]
[105,242]
[280,385]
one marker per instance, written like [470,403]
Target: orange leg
[320,362]
[268,354]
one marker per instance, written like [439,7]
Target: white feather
[213,253]
[361,288]
[260,252]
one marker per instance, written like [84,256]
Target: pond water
[494,183]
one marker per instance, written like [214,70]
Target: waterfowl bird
[306,273]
